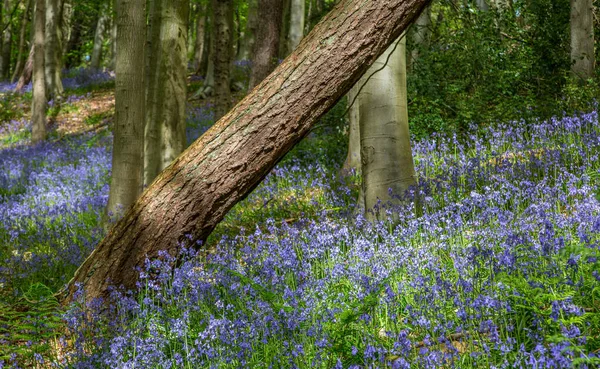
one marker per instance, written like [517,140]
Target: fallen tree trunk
[189,198]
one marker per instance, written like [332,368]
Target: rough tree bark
[189,198]
[130,100]
[38,111]
[266,47]
[387,163]
[582,39]
[165,122]
[223,38]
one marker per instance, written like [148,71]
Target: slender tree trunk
[387,162]
[6,53]
[320,6]
[421,34]
[285,30]
[38,109]
[353,158]
[266,48]
[296,23]
[191,36]
[237,34]
[66,26]
[207,87]
[6,42]
[582,39]
[99,36]
[482,5]
[53,50]
[194,193]
[200,37]
[127,159]
[151,61]
[223,32]
[165,125]
[22,39]
[27,70]
[113,41]
[249,35]
[74,39]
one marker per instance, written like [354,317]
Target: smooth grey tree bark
[296,23]
[421,33]
[165,123]
[53,49]
[38,109]
[130,102]
[386,155]
[582,39]
[352,162]
[223,38]
[103,16]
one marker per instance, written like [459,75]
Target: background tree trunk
[38,109]
[353,158]
[285,30]
[482,5]
[266,48]
[22,39]
[194,193]
[296,23]
[386,155]
[27,70]
[249,36]
[200,36]
[582,39]
[99,36]
[165,124]
[5,53]
[421,34]
[223,36]
[113,41]
[66,26]
[73,24]
[53,50]
[128,145]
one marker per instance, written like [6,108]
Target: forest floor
[499,268]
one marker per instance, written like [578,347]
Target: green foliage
[486,67]
[30,325]
[10,108]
